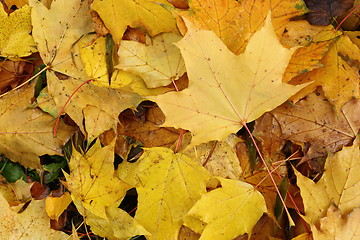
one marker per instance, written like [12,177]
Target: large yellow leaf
[339,185]
[168,185]
[236,21]
[225,90]
[159,63]
[15,38]
[32,223]
[117,15]
[226,212]
[26,133]
[92,182]
[57,29]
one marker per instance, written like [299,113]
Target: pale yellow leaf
[222,97]
[32,223]
[57,29]
[159,63]
[339,185]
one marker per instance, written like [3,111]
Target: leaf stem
[269,172]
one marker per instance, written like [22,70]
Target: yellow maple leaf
[26,133]
[159,63]
[336,226]
[135,13]
[220,214]
[168,184]
[32,223]
[57,29]
[222,97]
[92,182]
[339,185]
[15,38]
[92,104]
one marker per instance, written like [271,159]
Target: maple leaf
[26,133]
[159,63]
[339,185]
[32,223]
[55,206]
[15,38]
[92,182]
[56,29]
[237,199]
[336,226]
[235,22]
[338,79]
[314,121]
[118,225]
[91,104]
[222,97]
[135,13]
[168,185]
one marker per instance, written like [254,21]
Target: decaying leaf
[222,97]
[313,121]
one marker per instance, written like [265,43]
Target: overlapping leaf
[222,97]
[26,133]
[15,38]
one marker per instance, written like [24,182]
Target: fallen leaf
[26,133]
[235,22]
[15,29]
[339,80]
[168,184]
[135,13]
[220,211]
[91,104]
[313,121]
[56,30]
[323,12]
[55,206]
[159,63]
[338,186]
[336,226]
[221,98]
[17,3]
[92,182]
[32,223]
[118,225]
